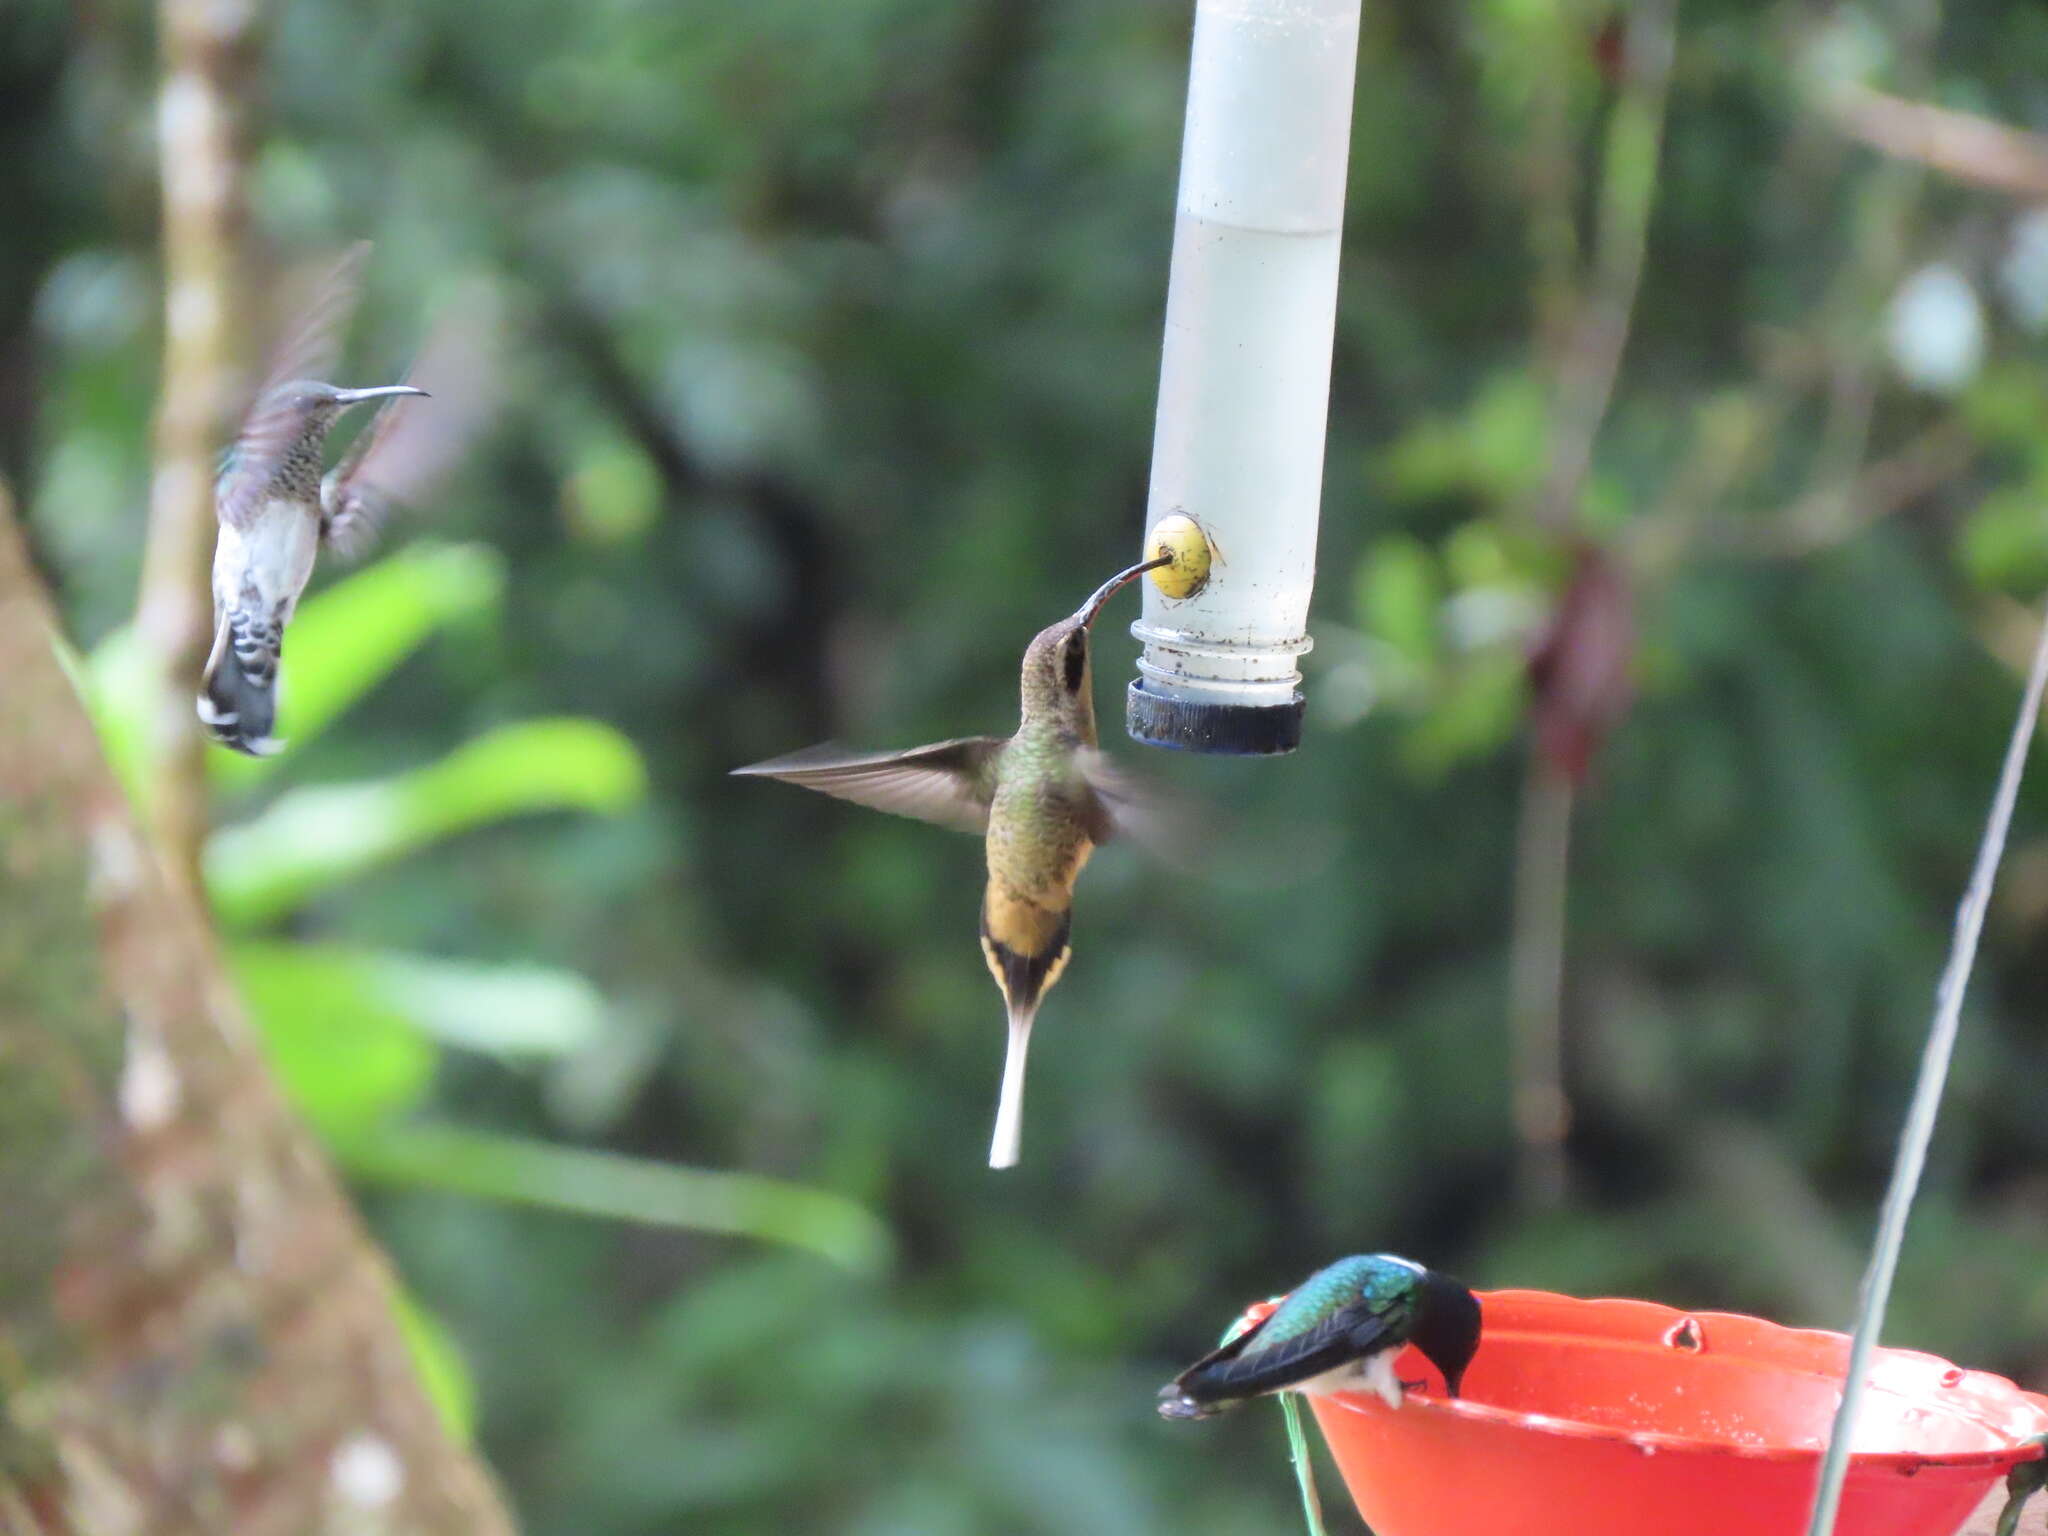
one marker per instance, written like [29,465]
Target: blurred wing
[950,782]
[352,515]
[411,444]
[309,351]
[1126,805]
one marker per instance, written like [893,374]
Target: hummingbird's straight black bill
[1086,613]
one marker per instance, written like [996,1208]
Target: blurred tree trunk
[195,1333]
[209,55]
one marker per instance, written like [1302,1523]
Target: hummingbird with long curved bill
[1338,1331]
[1042,800]
[277,510]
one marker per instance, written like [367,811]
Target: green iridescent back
[1388,1287]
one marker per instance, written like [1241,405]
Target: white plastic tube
[1244,384]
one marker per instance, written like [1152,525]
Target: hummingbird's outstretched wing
[1273,1355]
[403,452]
[950,782]
[308,351]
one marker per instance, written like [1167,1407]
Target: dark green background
[830,357]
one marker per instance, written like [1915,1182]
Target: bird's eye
[1074,660]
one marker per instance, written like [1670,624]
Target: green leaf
[2004,543]
[613,495]
[1474,713]
[348,1059]
[1494,450]
[604,1184]
[1399,591]
[315,838]
[444,1374]
[508,1011]
[346,640]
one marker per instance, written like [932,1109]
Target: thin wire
[1919,1131]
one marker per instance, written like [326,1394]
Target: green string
[1305,1472]
[1297,1440]
[2024,1481]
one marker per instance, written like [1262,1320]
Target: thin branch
[1628,192]
[1961,145]
[1827,515]
[1542,1111]
[1551,170]
[209,60]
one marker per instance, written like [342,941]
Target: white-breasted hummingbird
[276,509]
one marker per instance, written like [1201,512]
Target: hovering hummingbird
[1043,799]
[276,510]
[1338,1331]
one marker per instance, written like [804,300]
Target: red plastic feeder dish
[1625,1418]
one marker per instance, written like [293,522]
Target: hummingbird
[276,510]
[1042,799]
[1338,1331]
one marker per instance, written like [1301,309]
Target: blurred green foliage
[355,1034]
[820,313]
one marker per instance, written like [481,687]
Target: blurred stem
[1831,514]
[1628,192]
[1553,179]
[1882,224]
[1542,1110]
[1961,145]
[587,1183]
[209,50]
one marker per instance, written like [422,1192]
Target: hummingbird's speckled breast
[262,568]
[1038,820]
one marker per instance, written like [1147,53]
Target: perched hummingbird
[276,510]
[1043,799]
[1338,1331]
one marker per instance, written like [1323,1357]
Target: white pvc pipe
[1244,381]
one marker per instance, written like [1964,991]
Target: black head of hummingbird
[1042,799]
[1338,1331]
[276,508]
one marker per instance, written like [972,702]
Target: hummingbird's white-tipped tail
[237,700]
[1009,1136]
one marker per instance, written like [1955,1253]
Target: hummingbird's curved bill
[1338,1331]
[1042,799]
[276,510]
